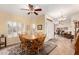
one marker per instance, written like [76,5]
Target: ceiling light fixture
[32,9]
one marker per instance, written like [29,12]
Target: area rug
[16,50]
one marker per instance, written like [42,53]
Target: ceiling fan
[32,9]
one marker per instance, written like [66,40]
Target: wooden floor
[64,47]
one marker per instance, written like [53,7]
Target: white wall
[49,29]
[5,17]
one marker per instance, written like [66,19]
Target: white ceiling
[54,10]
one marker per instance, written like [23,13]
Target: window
[14,28]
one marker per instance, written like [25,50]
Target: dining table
[31,44]
[30,37]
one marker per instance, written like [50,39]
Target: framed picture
[39,27]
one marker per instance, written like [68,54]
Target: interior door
[49,28]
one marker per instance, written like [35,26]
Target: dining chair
[32,47]
[29,46]
[23,43]
[35,46]
[40,40]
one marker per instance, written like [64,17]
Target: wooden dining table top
[30,37]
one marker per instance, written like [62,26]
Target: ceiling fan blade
[38,9]
[35,13]
[25,9]
[28,13]
[30,7]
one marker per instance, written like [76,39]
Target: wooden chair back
[23,43]
[41,41]
[41,38]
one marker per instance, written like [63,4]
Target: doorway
[49,29]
